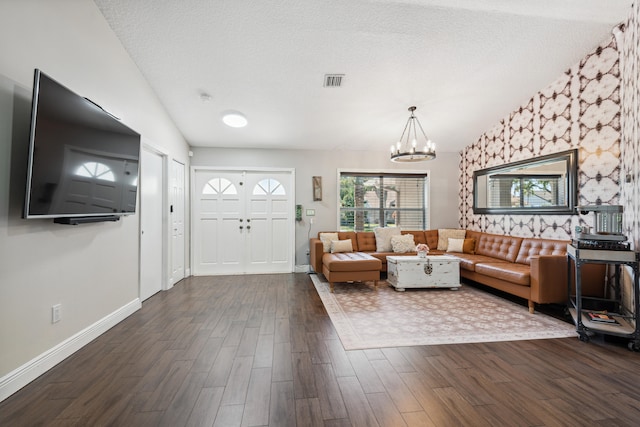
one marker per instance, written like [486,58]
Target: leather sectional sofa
[529,268]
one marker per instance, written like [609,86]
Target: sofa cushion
[469,246]
[503,248]
[455,245]
[350,261]
[473,235]
[326,239]
[383,237]
[403,243]
[431,237]
[530,247]
[343,235]
[445,233]
[366,241]
[341,246]
[519,274]
[466,246]
[469,261]
[418,236]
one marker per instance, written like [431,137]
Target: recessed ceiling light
[234,119]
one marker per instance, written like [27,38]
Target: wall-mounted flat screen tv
[83,162]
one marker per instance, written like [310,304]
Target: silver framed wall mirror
[543,185]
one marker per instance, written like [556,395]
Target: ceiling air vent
[333,80]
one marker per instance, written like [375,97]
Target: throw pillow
[445,233]
[455,245]
[383,237]
[469,246]
[341,246]
[403,243]
[326,239]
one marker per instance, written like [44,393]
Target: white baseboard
[187,272]
[31,370]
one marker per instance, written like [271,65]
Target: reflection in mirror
[542,185]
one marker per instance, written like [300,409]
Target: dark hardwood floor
[261,350]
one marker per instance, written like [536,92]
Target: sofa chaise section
[350,267]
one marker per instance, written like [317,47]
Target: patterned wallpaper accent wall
[630,145]
[581,109]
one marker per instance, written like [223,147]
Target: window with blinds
[368,201]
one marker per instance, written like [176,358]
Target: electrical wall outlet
[56,313]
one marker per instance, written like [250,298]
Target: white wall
[92,269]
[443,172]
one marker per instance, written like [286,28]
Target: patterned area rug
[368,318]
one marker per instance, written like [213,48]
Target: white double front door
[243,222]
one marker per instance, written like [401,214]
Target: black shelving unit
[627,324]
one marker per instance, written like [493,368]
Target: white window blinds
[368,201]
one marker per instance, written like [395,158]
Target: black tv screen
[82,160]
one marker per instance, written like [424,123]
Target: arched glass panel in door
[269,186]
[219,186]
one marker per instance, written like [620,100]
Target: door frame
[185,215]
[192,196]
[165,222]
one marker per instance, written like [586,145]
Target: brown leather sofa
[529,268]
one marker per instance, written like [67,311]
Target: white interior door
[243,222]
[151,229]
[177,222]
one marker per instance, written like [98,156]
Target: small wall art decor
[317,188]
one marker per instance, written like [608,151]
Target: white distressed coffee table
[434,271]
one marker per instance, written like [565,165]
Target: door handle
[241,227]
[248,227]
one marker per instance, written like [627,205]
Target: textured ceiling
[464,63]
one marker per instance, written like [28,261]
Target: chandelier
[407,149]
